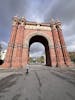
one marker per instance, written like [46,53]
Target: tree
[72,56]
[42,59]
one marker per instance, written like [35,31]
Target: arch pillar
[25,56]
[52,57]
[8,58]
[17,53]
[52,52]
[63,45]
[57,46]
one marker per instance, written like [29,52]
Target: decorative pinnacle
[58,23]
[15,20]
[52,22]
[22,21]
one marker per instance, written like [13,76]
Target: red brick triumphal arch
[25,33]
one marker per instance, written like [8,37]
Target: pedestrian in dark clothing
[27,70]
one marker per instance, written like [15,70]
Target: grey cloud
[37,49]
[63,9]
[38,10]
[8,9]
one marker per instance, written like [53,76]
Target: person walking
[27,69]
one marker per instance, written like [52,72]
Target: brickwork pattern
[22,31]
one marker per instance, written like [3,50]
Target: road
[42,83]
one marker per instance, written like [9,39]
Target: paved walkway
[42,83]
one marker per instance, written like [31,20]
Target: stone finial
[58,23]
[15,20]
[52,22]
[22,21]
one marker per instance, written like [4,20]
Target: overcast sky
[39,11]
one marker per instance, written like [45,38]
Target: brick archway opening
[37,54]
[44,41]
